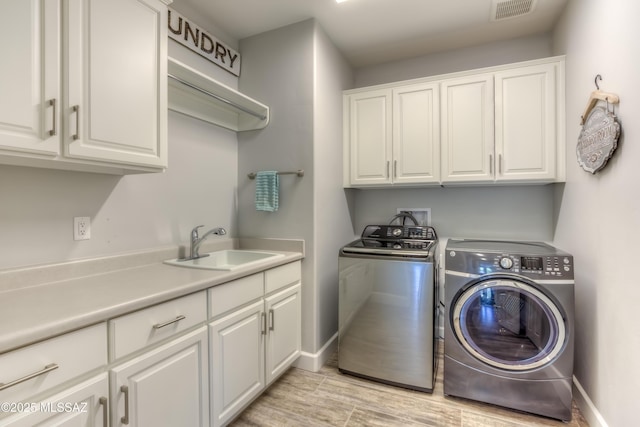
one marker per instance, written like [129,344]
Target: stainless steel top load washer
[387,301]
[509,325]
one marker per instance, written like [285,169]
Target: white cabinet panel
[54,359]
[237,360]
[416,134]
[284,335]
[467,129]
[30,76]
[526,123]
[142,328]
[85,404]
[370,138]
[116,81]
[167,386]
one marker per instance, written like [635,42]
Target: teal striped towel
[267,191]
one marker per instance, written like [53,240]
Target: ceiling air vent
[505,9]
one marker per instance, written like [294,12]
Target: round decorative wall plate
[598,139]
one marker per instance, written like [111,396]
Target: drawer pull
[170,322]
[105,417]
[272,322]
[125,419]
[76,109]
[53,103]
[46,369]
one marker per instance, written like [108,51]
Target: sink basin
[229,259]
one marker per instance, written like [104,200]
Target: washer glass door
[508,324]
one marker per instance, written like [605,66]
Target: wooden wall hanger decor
[600,131]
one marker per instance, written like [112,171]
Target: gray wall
[599,215]
[332,218]
[277,69]
[306,76]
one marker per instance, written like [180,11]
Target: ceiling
[370,32]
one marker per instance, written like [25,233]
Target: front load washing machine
[509,325]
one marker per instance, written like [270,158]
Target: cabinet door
[526,123]
[167,386]
[416,134]
[284,335]
[29,76]
[467,129]
[370,137]
[85,404]
[116,81]
[237,360]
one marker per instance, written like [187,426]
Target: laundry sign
[195,38]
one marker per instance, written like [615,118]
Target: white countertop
[33,312]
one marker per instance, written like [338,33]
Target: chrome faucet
[196,240]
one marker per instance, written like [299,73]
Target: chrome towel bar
[299,172]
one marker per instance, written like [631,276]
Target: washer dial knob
[506,263]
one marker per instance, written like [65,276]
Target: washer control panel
[552,266]
[395,232]
[536,267]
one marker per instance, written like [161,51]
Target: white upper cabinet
[394,136]
[369,126]
[84,84]
[467,129]
[116,81]
[30,77]
[416,134]
[526,130]
[496,125]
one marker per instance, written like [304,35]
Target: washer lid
[503,246]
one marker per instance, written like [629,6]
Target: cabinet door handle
[490,164]
[264,323]
[53,103]
[125,419]
[76,109]
[272,321]
[46,369]
[170,322]
[500,164]
[388,169]
[105,417]
[395,168]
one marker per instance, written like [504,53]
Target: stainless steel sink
[229,259]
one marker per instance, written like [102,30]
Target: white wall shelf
[198,95]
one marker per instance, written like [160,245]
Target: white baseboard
[587,408]
[314,361]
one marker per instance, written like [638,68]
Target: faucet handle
[194,232]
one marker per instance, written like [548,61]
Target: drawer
[145,327]
[279,277]
[228,296]
[52,362]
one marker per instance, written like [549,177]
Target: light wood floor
[329,398]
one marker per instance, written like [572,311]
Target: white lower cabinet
[168,365]
[47,383]
[167,386]
[85,404]
[237,361]
[254,341]
[284,331]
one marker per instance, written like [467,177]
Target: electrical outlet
[422,215]
[81,228]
